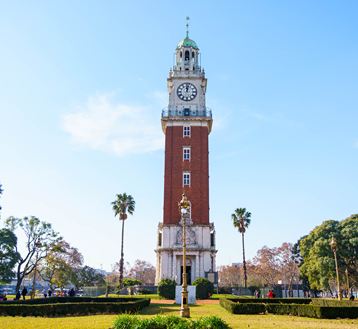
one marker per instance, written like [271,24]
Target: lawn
[235,321]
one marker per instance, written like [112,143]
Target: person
[24,293]
[270,294]
[49,292]
[18,295]
[351,298]
[257,293]
[45,293]
[71,293]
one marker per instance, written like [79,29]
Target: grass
[197,311]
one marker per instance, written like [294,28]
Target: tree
[266,266]
[87,276]
[241,220]
[60,265]
[124,203]
[40,239]
[143,271]
[318,263]
[230,276]
[8,254]
[1,190]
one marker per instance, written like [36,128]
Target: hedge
[168,322]
[306,310]
[55,300]
[248,308]
[314,311]
[83,308]
[273,300]
[204,288]
[332,302]
[166,288]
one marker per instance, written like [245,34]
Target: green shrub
[313,311]
[204,288]
[238,308]
[168,322]
[62,309]
[333,302]
[128,282]
[273,300]
[166,288]
[55,300]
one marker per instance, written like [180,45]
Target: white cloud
[103,123]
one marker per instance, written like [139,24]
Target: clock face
[186,92]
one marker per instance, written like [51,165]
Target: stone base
[191,294]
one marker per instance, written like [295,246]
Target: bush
[166,288]
[313,311]
[62,309]
[204,288]
[273,300]
[332,302]
[55,300]
[168,322]
[237,308]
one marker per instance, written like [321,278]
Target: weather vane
[187,26]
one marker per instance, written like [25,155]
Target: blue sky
[82,85]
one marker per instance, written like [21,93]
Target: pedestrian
[24,293]
[18,295]
[351,298]
[49,292]
[270,294]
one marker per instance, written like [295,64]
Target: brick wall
[198,166]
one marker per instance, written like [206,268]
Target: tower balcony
[186,114]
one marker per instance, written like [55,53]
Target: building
[186,123]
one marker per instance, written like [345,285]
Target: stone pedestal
[191,294]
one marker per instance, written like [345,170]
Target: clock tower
[186,123]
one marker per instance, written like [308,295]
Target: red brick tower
[186,123]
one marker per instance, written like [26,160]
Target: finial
[187,26]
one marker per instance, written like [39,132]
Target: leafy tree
[128,282]
[241,220]
[230,276]
[143,271]
[318,261]
[1,190]
[59,266]
[87,276]
[124,203]
[8,255]
[266,266]
[40,239]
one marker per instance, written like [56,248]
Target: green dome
[187,43]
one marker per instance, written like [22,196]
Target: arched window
[187,55]
[193,54]
[181,54]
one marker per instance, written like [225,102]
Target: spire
[187,26]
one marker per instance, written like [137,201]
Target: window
[186,131]
[187,55]
[160,239]
[186,179]
[186,153]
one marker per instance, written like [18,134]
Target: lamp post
[333,245]
[184,206]
[347,278]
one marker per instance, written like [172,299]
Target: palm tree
[241,220]
[124,203]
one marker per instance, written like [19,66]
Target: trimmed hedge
[168,322]
[306,310]
[55,300]
[332,302]
[273,300]
[83,308]
[248,308]
[314,311]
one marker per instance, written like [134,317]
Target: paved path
[198,302]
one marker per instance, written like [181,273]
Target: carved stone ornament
[190,237]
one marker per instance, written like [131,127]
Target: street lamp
[333,245]
[184,207]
